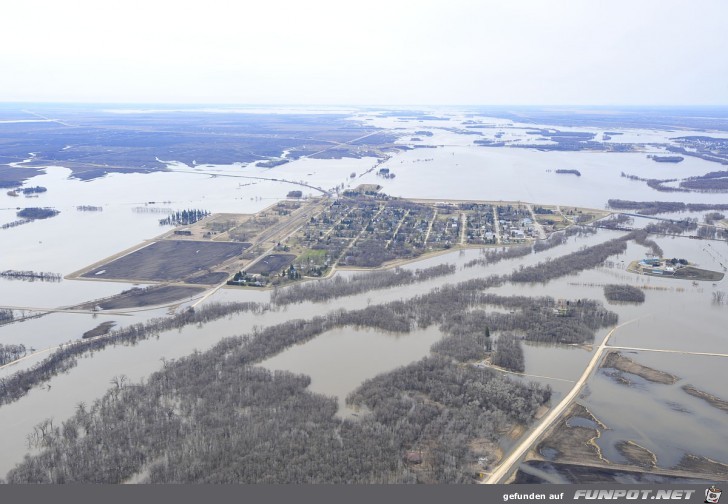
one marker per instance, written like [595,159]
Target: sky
[394,52]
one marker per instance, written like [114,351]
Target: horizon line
[388,105]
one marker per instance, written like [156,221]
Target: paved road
[504,468]
[684,352]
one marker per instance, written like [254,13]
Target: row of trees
[711,217]
[33,190]
[15,386]
[31,276]
[672,227]
[710,182]
[615,221]
[325,290]
[575,262]
[641,237]
[654,207]
[493,256]
[15,223]
[184,217]
[9,353]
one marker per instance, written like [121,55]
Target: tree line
[6,315]
[575,262]
[33,190]
[15,223]
[494,256]
[655,207]
[184,217]
[15,386]
[10,353]
[324,290]
[31,276]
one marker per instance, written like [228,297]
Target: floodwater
[676,314]
[338,361]
[477,173]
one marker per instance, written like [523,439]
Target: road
[536,224]
[463,227]
[270,179]
[429,228]
[683,352]
[505,467]
[396,230]
[339,144]
[75,310]
[278,232]
[496,226]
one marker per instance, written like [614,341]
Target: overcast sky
[375,52]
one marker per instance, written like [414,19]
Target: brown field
[167,260]
[271,263]
[147,296]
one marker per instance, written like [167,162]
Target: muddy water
[663,418]
[340,360]
[530,176]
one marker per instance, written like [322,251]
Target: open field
[271,263]
[693,273]
[167,260]
[139,297]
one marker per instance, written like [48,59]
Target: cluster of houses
[656,266]
[518,230]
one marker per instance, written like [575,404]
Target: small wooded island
[666,159]
[569,172]
[624,293]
